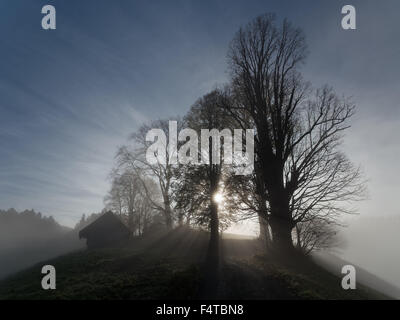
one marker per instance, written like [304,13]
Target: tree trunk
[130,221]
[213,250]
[264,230]
[281,233]
[168,215]
[298,237]
[265,236]
[210,275]
[280,218]
[180,218]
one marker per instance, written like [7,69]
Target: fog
[27,238]
[369,242]
[373,243]
[59,136]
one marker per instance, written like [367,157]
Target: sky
[69,97]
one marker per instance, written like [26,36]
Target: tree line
[301,183]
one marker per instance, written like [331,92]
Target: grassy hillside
[169,266]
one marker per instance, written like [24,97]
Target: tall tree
[198,185]
[298,129]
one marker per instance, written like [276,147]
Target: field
[170,266]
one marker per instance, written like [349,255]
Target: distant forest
[28,237]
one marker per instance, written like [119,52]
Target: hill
[169,266]
[334,264]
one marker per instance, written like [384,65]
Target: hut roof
[106,223]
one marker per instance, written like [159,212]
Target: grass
[306,280]
[106,274]
[169,267]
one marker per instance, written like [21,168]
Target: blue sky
[69,97]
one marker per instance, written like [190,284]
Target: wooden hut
[106,231]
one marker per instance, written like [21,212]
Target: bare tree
[144,213]
[315,234]
[123,195]
[298,129]
[129,199]
[134,157]
[114,200]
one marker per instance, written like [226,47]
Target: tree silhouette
[197,185]
[298,129]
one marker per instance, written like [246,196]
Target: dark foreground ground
[170,266]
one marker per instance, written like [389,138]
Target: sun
[218,198]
